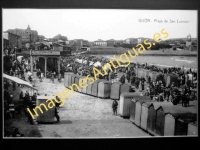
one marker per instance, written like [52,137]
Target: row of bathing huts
[156,118]
[167,78]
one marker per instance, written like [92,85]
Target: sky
[105,24]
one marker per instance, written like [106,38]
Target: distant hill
[177,39]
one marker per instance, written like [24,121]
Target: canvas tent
[19,81]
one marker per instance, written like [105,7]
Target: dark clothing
[128,76]
[14,86]
[151,93]
[39,74]
[21,96]
[26,99]
[175,100]
[30,78]
[114,106]
[137,83]
[132,78]
[11,73]
[122,80]
[185,101]
[34,97]
[56,115]
[142,85]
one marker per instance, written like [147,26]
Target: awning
[18,80]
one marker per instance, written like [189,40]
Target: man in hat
[175,98]
[185,100]
[114,106]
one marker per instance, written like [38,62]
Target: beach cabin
[151,119]
[104,88]
[66,78]
[138,109]
[76,80]
[165,123]
[115,90]
[145,111]
[95,87]
[89,88]
[125,88]
[136,97]
[83,83]
[48,114]
[124,104]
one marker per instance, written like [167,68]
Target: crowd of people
[183,90]
[16,67]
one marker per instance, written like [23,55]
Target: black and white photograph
[99,73]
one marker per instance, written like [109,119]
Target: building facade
[100,42]
[131,41]
[110,42]
[11,40]
[27,35]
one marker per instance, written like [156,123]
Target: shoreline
[143,54]
[190,55]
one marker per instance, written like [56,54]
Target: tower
[28,28]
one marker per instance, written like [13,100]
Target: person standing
[56,115]
[151,92]
[41,77]
[112,76]
[114,106]
[52,77]
[128,75]
[132,79]
[14,86]
[59,77]
[27,98]
[21,96]
[39,74]
[137,83]
[11,72]
[142,84]
[122,79]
